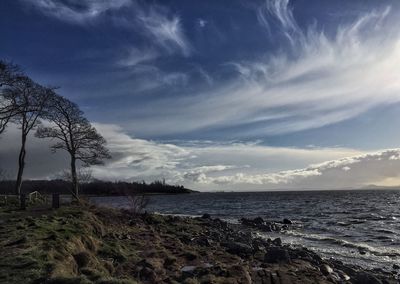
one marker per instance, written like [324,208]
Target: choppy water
[333,223]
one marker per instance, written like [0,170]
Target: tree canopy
[74,134]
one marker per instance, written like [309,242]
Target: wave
[361,247]
[385,231]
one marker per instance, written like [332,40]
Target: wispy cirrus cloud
[137,56]
[165,29]
[317,79]
[155,22]
[76,11]
[278,13]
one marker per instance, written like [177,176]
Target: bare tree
[28,100]
[6,113]
[75,135]
[9,75]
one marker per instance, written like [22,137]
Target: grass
[89,245]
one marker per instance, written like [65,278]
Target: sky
[218,95]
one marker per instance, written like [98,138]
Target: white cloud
[165,29]
[201,22]
[77,11]
[136,56]
[176,78]
[201,164]
[206,76]
[156,22]
[211,165]
[323,79]
[349,172]
[279,13]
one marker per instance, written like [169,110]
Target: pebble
[188,268]
[326,269]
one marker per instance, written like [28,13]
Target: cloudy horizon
[254,95]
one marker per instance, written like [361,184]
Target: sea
[360,227]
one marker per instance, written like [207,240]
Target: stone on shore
[277,255]
[326,269]
[206,216]
[237,248]
[287,221]
[366,278]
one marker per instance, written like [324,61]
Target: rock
[277,242]
[246,221]
[252,222]
[276,255]
[326,269]
[240,274]
[273,227]
[190,256]
[203,241]
[188,268]
[206,216]
[219,224]
[237,248]
[259,244]
[334,277]
[362,250]
[261,224]
[343,275]
[366,278]
[258,221]
[287,221]
[305,254]
[396,266]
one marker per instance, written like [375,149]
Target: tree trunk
[74,178]
[21,165]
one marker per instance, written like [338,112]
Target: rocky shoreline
[292,264]
[106,246]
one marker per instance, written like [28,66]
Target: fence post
[56,200]
[22,200]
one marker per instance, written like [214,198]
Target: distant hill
[374,186]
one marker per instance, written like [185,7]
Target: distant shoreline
[304,190]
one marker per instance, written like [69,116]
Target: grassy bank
[78,244]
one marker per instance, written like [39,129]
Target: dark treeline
[93,188]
